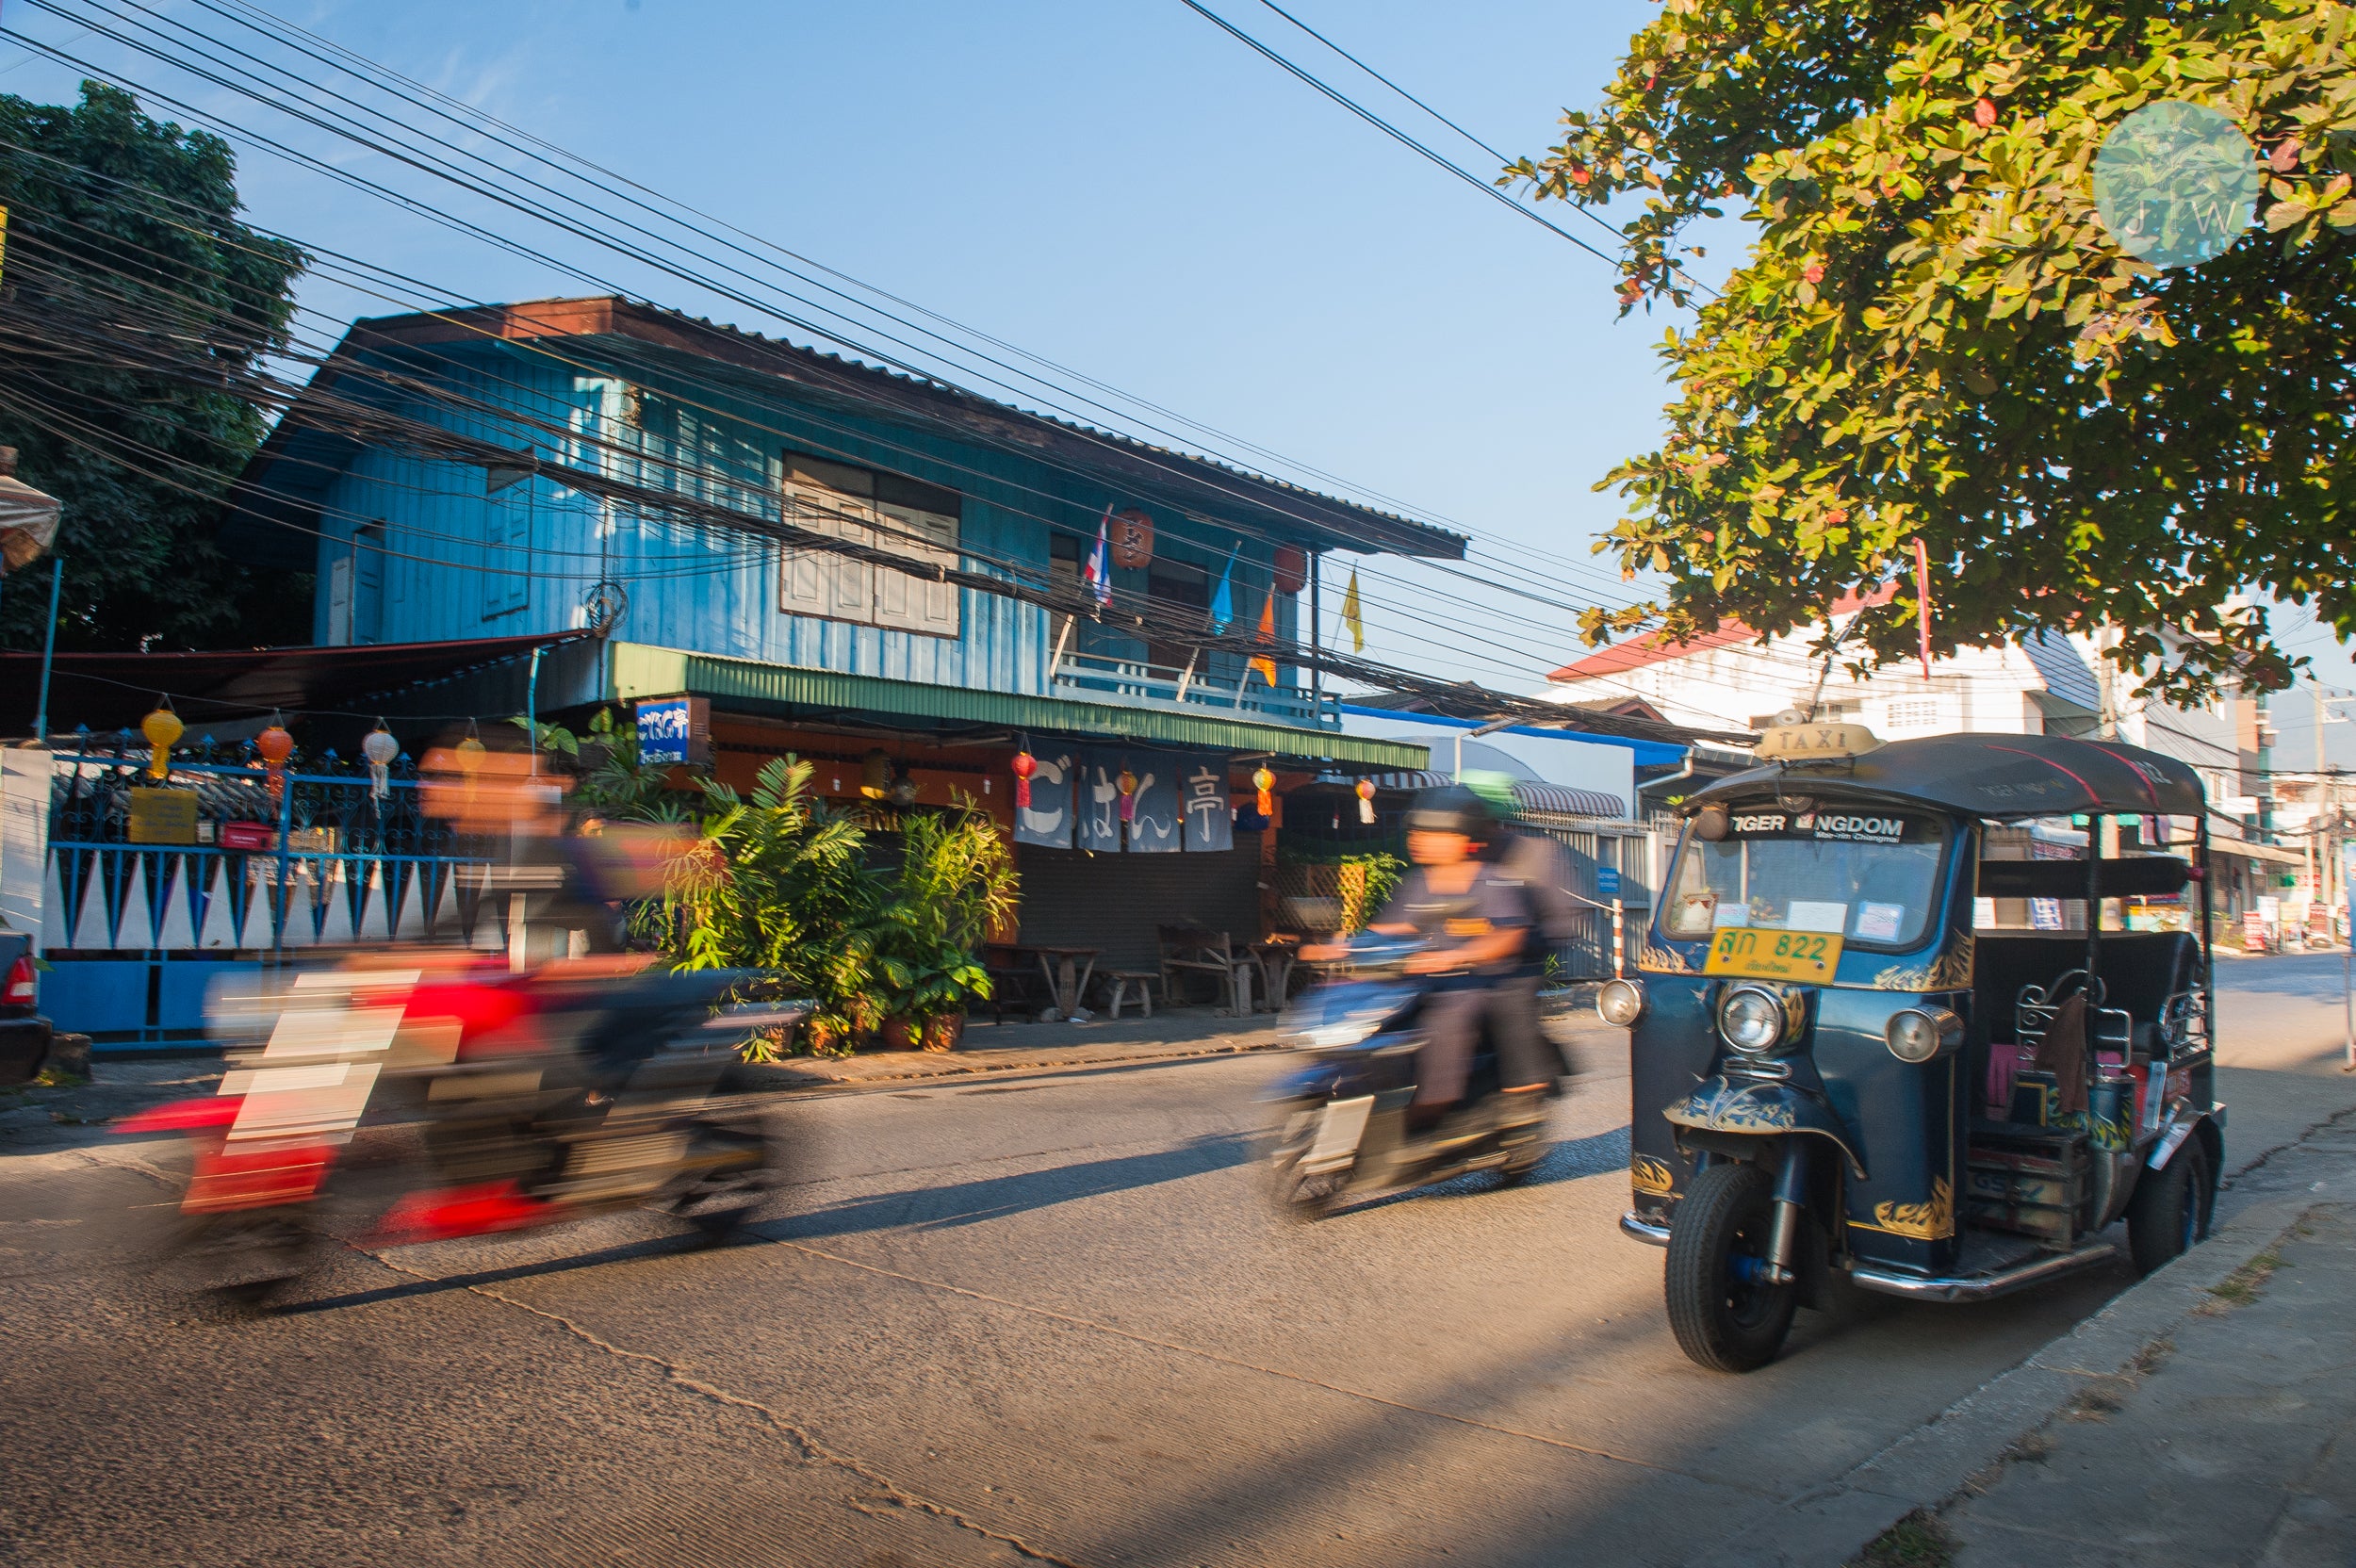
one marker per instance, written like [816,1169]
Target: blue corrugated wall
[456,562]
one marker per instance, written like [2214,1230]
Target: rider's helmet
[1453,809]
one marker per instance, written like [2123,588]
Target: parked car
[24,1034]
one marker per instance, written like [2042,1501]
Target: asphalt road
[1045,1318]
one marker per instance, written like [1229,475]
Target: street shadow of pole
[994,1197]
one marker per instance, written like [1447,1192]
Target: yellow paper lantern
[161,727]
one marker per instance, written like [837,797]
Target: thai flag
[1098,574]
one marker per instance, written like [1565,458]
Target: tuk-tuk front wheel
[1725,1314]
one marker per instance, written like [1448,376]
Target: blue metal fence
[135,933]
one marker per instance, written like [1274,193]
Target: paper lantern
[161,727]
[1292,569]
[273,746]
[1366,800]
[1128,782]
[1025,765]
[1265,781]
[1132,539]
[380,749]
[470,755]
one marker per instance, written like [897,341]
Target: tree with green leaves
[1936,335]
[113,216]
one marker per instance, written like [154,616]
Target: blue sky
[1119,187]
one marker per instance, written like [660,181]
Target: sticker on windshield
[1813,915]
[1726,915]
[1880,923]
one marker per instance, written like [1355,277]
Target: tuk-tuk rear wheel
[1724,1321]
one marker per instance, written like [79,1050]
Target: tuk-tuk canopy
[1991,776]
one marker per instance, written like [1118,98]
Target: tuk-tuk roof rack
[1997,776]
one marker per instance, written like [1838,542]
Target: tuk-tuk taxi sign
[1815,742]
[1756,954]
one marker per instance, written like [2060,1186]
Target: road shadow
[1597,1155]
[994,1197]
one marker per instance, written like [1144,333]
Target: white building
[1729,679]
[2262,819]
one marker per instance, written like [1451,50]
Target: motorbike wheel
[720,1203]
[1725,1317]
[1513,1174]
[241,1262]
[1296,1196]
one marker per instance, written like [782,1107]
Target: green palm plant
[778,882]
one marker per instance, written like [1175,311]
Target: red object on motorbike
[480,1011]
[478,1210]
[185,1116]
[258,1179]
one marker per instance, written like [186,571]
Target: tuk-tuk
[1891,1025]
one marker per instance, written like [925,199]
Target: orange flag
[1266,663]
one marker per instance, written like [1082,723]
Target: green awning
[784,691]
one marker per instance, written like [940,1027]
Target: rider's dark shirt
[1493,902]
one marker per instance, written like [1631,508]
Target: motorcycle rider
[1477,921]
[1541,865]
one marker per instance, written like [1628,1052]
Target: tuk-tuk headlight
[1620,1003]
[1918,1033]
[1755,1020]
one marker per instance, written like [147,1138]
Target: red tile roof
[1654,647]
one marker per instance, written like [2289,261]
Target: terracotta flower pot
[944,1031]
[898,1033]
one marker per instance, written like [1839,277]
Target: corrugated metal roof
[2064,669]
[641,670]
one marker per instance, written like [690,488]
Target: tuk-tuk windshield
[1871,873]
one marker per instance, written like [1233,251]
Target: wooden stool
[1120,981]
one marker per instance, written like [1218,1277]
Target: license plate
[1809,955]
[1340,1126]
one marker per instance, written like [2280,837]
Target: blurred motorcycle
[570,1091]
[1342,1107]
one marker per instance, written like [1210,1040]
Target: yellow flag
[1349,616]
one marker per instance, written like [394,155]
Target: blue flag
[1223,600]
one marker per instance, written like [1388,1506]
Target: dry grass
[1918,1541]
[2243,1285]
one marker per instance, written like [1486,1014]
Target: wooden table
[1068,970]
[1275,957]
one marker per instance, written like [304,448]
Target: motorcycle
[537,1099]
[1342,1108]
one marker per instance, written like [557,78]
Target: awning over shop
[1562,801]
[1553,800]
[111,691]
[2220,845]
[750,686]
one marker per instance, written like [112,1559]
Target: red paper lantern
[1132,539]
[1265,782]
[1128,794]
[1366,800]
[1025,765]
[1292,569]
[273,746]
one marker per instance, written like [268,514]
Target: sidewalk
[2233,1439]
[2206,1415]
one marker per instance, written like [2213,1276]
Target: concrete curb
[1831,1524]
[853,1074]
